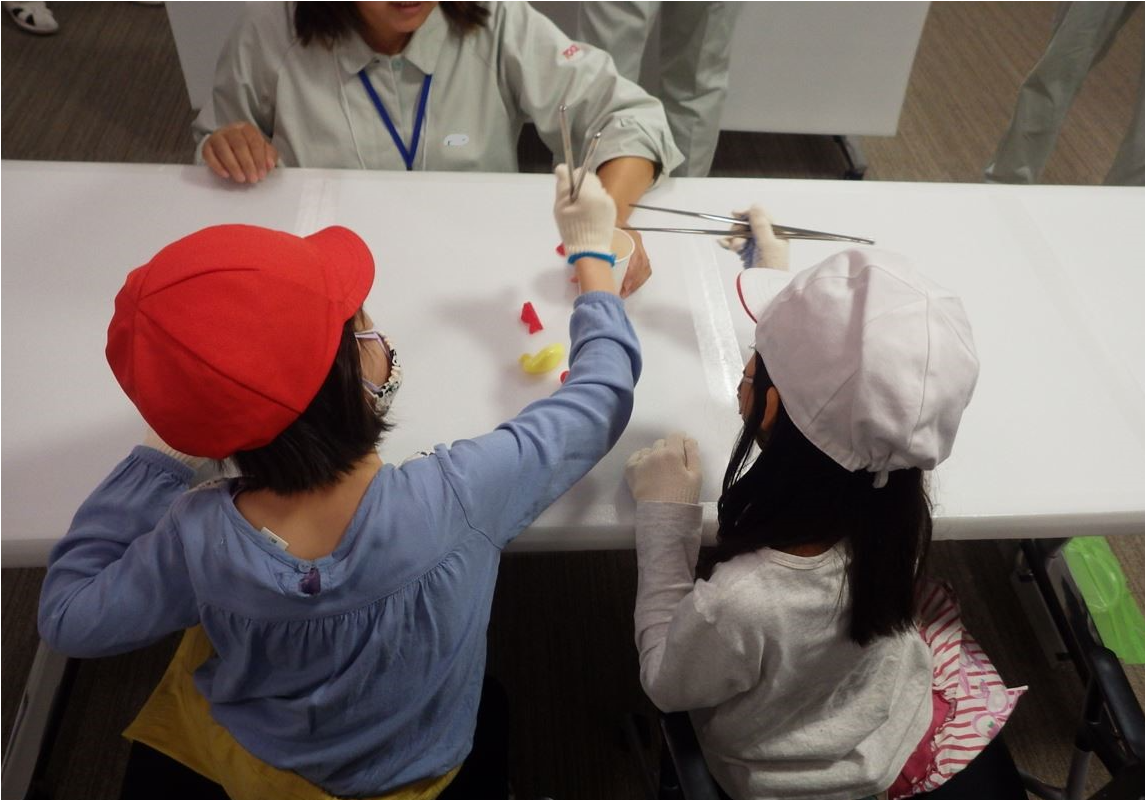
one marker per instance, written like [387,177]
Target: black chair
[693,777]
[1111,724]
[681,773]
[1111,728]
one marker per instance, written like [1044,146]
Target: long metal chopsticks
[782,231]
[567,144]
[811,236]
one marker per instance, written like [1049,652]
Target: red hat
[223,339]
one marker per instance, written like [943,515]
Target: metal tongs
[781,231]
[567,143]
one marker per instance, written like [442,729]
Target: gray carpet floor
[108,88]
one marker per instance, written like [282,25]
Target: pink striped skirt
[970,703]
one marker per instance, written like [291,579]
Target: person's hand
[586,225]
[667,472]
[756,243]
[240,152]
[639,270]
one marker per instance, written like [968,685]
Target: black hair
[329,22]
[793,494]
[336,431]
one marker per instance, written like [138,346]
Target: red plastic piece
[564,375]
[530,318]
[561,249]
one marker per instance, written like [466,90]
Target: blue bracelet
[612,259]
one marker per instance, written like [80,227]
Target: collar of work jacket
[422,51]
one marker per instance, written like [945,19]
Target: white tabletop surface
[1052,279]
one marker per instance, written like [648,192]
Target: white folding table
[1052,279]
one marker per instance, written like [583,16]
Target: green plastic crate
[1099,578]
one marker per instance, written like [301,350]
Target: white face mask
[382,396]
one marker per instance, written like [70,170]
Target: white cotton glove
[755,242]
[151,439]
[667,472]
[586,225]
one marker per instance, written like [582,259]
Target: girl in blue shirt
[341,602]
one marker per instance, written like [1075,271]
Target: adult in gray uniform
[424,86]
[1083,33]
[694,51]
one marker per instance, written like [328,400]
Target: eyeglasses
[395,379]
[745,380]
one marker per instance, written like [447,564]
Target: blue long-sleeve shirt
[373,682]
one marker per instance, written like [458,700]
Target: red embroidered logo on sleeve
[570,51]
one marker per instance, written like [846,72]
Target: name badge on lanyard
[419,118]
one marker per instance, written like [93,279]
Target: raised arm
[627,178]
[506,478]
[687,662]
[542,68]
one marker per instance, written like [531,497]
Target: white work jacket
[312,105]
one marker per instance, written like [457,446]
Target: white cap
[874,363]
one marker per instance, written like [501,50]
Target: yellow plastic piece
[545,360]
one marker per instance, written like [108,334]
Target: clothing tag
[416,456]
[274,539]
[456,140]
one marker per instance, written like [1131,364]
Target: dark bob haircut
[329,22]
[336,431]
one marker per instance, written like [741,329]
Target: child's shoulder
[766,560]
[201,498]
[765,579]
[741,581]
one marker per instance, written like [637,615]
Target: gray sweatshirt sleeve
[686,660]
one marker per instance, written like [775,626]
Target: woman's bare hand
[240,152]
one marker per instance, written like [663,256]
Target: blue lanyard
[407,155]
